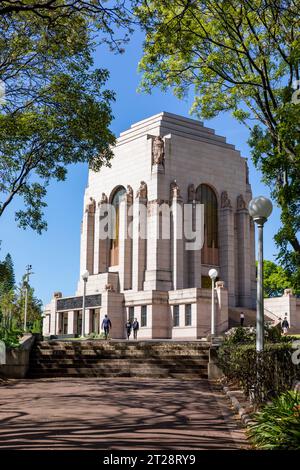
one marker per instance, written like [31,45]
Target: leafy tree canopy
[276,279]
[55,111]
[7,275]
[241,57]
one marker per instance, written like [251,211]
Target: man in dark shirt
[135,327]
[285,325]
[128,327]
[106,326]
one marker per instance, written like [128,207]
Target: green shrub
[278,423]
[240,335]
[10,336]
[263,375]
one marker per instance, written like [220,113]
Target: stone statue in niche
[225,201]
[175,191]
[91,205]
[109,287]
[104,199]
[240,202]
[129,193]
[158,151]
[191,193]
[142,191]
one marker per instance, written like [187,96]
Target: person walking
[128,327]
[285,325]
[135,327]
[242,318]
[106,326]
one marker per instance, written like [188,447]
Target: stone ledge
[243,414]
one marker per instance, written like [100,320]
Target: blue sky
[54,255]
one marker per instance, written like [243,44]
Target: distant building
[165,162]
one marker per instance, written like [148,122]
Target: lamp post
[260,208]
[26,284]
[84,277]
[213,274]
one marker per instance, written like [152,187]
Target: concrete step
[86,372]
[118,359]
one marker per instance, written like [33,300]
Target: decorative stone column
[87,238]
[158,272]
[71,322]
[243,254]
[101,257]
[226,250]
[222,311]
[139,237]
[87,323]
[193,256]
[55,316]
[177,237]
[125,240]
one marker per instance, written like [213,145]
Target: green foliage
[56,110]
[7,275]
[9,332]
[278,423]
[35,326]
[240,335]
[238,56]
[247,335]
[12,301]
[262,376]
[276,279]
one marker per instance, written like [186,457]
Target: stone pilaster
[158,272]
[193,256]
[222,310]
[87,324]
[139,241]
[177,243]
[243,254]
[87,238]
[125,244]
[101,257]
[226,251]
[71,322]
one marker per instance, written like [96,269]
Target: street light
[26,284]
[84,277]
[213,274]
[260,208]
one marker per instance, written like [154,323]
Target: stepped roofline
[165,123]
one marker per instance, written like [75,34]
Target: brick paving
[114,413]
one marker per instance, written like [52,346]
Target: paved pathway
[116,414]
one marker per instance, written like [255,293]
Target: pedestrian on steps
[242,318]
[285,325]
[135,327]
[106,326]
[128,327]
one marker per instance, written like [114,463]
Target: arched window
[114,242]
[206,195]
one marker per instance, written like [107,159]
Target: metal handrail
[275,315]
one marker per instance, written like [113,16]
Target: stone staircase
[96,358]
[250,317]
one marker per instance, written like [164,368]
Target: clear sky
[54,255]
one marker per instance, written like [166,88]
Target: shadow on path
[116,414]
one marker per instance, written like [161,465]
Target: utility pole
[26,283]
